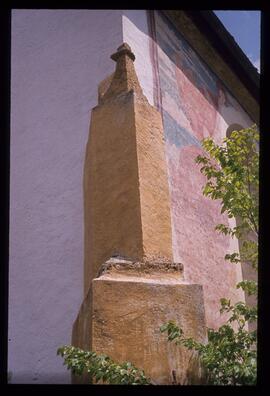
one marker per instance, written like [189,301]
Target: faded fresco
[195,105]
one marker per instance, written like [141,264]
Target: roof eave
[209,38]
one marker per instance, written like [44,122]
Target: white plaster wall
[136,34]
[58,58]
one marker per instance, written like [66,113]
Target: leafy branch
[101,368]
[230,355]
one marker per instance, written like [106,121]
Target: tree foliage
[230,355]
[101,368]
[232,172]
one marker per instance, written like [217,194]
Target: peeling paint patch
[195,105]
[176,134]
[172,42]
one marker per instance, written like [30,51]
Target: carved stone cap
[124,49]
[128,266]
[124,79]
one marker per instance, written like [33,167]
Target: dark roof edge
[221,40]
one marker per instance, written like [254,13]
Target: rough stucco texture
[111,186]
[58,58]
[125,172]
[126,195]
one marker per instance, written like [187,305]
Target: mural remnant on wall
[194,105]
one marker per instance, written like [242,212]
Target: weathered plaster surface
[126,193]
[218,64]
[195,105]
[136,34]
[58,58]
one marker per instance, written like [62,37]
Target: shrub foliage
[101,368]
[230,355]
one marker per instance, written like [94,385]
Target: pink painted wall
[194,104]
[58,58]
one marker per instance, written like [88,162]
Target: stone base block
[128,308]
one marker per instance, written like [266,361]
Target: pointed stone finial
[124,49]
[124,78]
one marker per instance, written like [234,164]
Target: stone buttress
[131,285]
